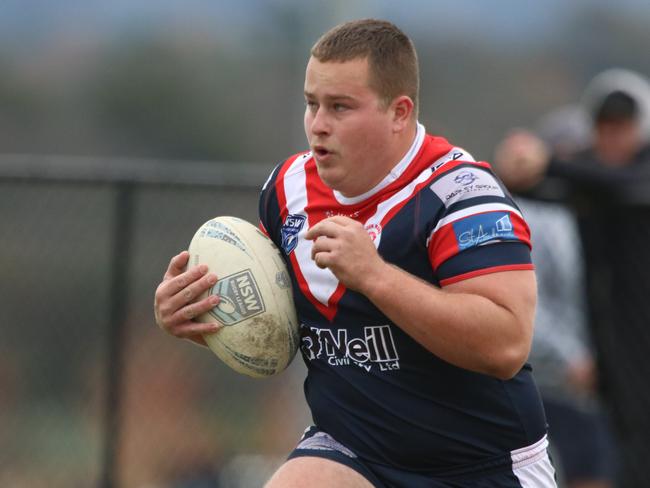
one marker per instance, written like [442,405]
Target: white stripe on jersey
[321,282]
[532,467]
[467,212]
[384,207]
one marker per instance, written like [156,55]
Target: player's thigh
[316,472]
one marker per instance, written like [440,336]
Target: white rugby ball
[260,333]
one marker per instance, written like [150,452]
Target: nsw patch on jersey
[290,229]
[464,183]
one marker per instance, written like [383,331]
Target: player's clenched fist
[344,246]
[175,303]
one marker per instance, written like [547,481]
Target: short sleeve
[268,207]
[480,229]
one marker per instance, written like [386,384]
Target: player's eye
[339,107]
[311,105]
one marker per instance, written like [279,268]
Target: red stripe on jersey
[319,202]
[443,245]
[444,242]
[440,171]
[282,203]
[521,229]
[328,311]
[484,271]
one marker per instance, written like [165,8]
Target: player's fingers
[183,280]
[170,311]
[192,291]
[327,227]
[322,259]
[177,265]
[189,329]
[192,310]
[169,288]
[322,244]
[342,220]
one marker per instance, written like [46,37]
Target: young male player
[413,284]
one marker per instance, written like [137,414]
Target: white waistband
[529,454]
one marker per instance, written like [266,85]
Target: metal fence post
[119,294]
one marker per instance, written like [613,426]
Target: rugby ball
[260,333]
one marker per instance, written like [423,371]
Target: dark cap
[616,107]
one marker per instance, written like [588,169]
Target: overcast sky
[496,20]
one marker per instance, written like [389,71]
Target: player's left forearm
[467,329]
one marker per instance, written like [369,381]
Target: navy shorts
[530,467]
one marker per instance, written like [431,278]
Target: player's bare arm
[175,302]
[483,324]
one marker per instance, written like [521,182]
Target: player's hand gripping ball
[260,333]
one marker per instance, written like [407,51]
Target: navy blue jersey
[442,217]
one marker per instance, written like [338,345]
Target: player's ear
[402,110]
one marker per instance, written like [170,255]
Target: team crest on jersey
[290,229]
[374,231]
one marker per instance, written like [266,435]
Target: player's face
[348,128]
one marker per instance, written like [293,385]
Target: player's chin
[330,175]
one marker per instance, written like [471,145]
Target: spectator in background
[562,356]
[608,186]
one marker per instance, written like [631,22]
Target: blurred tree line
[196,93]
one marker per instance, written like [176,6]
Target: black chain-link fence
[92,393]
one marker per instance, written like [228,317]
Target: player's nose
[319,123]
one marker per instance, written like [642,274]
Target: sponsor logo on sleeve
[290,229]
[465,183]
[479,229]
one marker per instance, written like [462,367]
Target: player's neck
[404,143]
[400,148]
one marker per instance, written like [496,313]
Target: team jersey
[442,217]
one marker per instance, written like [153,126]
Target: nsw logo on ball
[290,229]
[240,298]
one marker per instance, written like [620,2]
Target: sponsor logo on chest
[374,349]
